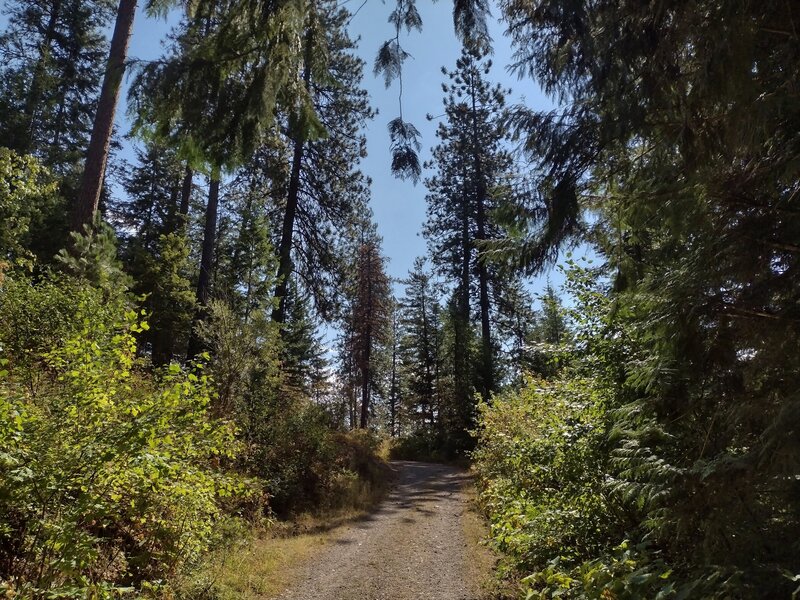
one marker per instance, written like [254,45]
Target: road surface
[413,547]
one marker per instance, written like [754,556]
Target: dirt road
[414,547]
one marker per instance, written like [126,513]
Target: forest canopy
[203,338]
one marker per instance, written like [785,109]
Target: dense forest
[204,340]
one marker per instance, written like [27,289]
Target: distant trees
[366,339]
[420,347]
[53,56]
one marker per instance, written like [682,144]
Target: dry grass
[262,566]
[258,569]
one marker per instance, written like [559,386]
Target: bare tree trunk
[285,249]
[186,193]
[206,265]
[97,154]
[292,197]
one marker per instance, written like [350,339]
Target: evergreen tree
[154,251]
[52,61]
[216,104]
[245,262]
[517,325]
[551,327]
[470,164]
[367,326]
[420,345]
[395,393]
[304,361]
[323,191]
[680,131]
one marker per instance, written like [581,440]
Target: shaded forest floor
[422,541]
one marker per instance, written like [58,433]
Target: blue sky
[399,206]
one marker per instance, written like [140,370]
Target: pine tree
[679,131]
[155,251]
[366,326]
[216,104]
[420,345]
[53,57]
[551,326]
[245,261]
[470,165]
[395,393]
[303,357]
[324,191]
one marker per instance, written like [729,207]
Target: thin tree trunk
[206,265]
[287,232]
[366,369]
[393,398]
[97,154]
[483,274]
[462,321]
[163,334]
[35,92]
[486,340]
[292,197]
[186,193]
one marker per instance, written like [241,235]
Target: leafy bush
[110,479]
[289,442]
[31,212]
[541,464]
[427,446]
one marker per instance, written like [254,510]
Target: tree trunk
[366,368]
[163,333]
[186,193]
[285,249]
[486,340]
[393,398]
[35,92]
[292,196]
[483,273]
[365,385]
[461,368]
[97,154]
[206,265]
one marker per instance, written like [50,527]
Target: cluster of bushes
[117,475]
[592,494]
[545,482]
[427,446]
[111,478]
[114,477]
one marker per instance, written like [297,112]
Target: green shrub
[110,480]
[541,465]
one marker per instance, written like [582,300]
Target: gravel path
[412,548]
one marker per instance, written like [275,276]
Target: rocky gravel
[413,547]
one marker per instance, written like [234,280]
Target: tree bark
[35,93]
[206,265]
[97,154]
[287,232]
[483,273]
[366,368]
[186,193]
[292,197]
